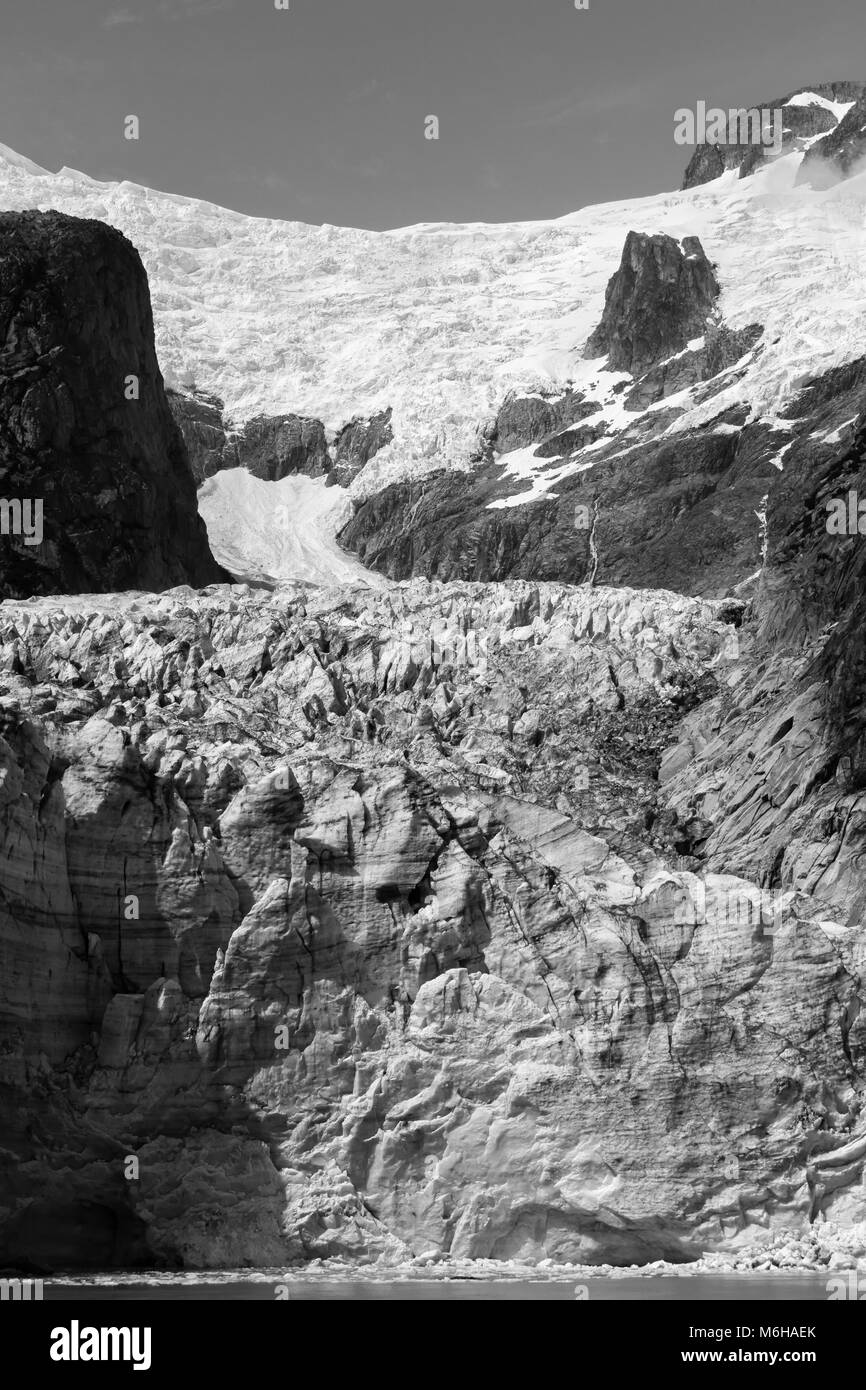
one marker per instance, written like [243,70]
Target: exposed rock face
[783,790]
[425,957]
[634,505]
[272,446]
[443,527]
[661,297]
[523,420]
[651,515]
[85,428]
[814,588]
[840,154]
[801,123]
[357,443]
[200,420]
[657,505]
[722,348]
[813,577]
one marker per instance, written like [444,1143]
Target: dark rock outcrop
[199,417]
[677,513]
[572,438]
[723,347]
[840,389]
[356,444]
[86,433]
[800,123]
[442,527]
[273,446]
[661,297]
[839,154]
[523,420]
[709,162]
[778,764]
[268,446]
[814,577]
[687,511]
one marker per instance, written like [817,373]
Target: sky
[317,112]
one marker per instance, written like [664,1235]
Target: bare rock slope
[86,435]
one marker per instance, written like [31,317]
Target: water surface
[702,1288]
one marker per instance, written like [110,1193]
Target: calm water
[701,1288]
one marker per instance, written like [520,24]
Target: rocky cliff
[638,503]
[807,116]
[839,154]
[357,443]
[645,515]
[272,447]
[211,446]
[87,441]
[662,295]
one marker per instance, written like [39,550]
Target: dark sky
[317,113]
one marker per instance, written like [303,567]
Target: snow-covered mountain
[438,323]
[439,320]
